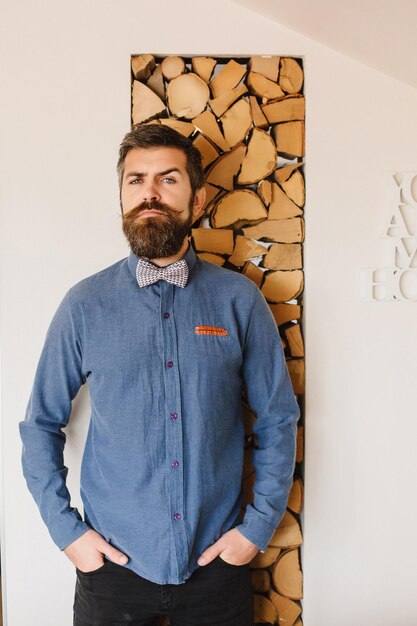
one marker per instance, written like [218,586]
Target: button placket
[173,428]
[172,415]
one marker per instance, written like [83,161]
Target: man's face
[157,203]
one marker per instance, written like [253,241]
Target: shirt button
[174,464]
[177,516]
[174,416]
[166,315]
[169,364]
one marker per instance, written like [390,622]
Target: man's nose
[150,192]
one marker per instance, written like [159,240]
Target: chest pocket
[216,346]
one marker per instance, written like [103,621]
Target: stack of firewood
[246,117]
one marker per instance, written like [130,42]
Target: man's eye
[134,181]
[169,180]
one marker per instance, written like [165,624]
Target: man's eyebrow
[163,173]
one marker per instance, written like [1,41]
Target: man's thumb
[115,555]
[209,554]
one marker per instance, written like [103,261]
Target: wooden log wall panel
[247,118]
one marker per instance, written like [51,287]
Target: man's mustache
[153,205]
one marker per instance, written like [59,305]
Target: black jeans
[217,594]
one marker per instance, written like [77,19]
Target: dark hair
[162,136]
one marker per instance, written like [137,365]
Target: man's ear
[199,200]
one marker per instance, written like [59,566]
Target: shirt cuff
[65,534]
[256,529]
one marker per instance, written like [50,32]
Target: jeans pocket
[219,558]
[94,571]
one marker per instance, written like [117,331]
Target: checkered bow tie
[147,273]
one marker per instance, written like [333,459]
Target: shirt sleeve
[57,380]
[271,397]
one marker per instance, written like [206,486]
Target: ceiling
[379,33]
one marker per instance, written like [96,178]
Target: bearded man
[166,342]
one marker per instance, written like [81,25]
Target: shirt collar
[190,258]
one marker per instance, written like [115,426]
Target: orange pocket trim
[210,330]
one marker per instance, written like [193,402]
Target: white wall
[65,107]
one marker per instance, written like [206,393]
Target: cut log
[283,173]
[145,103]
[282,286]
[295,499]
[267,558]
[207,124]
[228,78]
[236,122]
[222,103]
[245,403]
[185,128]
[289,137]
[267,66]
[282,231]
[283,256]
[300,430]
[187,95]
[211,193]
[207,150]
[284,313]
[163,620]
[215,240]
[291,75]
[260,580]
[263,609]
[281,205]
[238,207]
[265,191]
[211,206]
[172,67]
[248,468]
[260,86]
[287,576]
[244,250]
[296,372]
[260,159]
[156,83]
[295,340]
[249,419]
[253,272]
[224,170]
[194,220]
[142,66]
[294,187]
[203,66]
[285,110]
[287,610]
[288,534]
[216,259]
[258,117]
[247,488]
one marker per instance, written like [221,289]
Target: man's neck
[162,262]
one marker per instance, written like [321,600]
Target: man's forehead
[163,157]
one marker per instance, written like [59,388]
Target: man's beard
[156,236]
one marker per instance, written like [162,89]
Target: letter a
[396,226]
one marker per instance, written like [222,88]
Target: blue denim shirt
[162,466]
